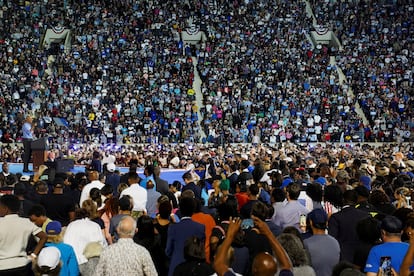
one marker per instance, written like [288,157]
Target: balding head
[126,227]
[264,265]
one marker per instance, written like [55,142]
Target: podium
[39,151]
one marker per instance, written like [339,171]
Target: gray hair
[295,249]
[126,227]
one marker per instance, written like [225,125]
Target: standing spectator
[148,238]
[125,257]
[208,222]
[178,233]
[137,193]
[48,262]
[125,209]
[59,206]
[113,178]
[262,264]
[289,215]
[14,235]
[246,209]
[391,230]
[255,241]
[80,233]
[94,183]
[278,201]
[190,185]
[163,220]
[342,225]
[149,175]
[152,199]
[298,255]
[324,250]
[20,190]
[37,215]
[96,164]
[195,259]
[368,231]
[161,184]
[68,257]
[245,177]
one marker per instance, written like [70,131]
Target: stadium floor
[167,174]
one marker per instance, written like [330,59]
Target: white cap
[25,178]
[49,257]
[110,167]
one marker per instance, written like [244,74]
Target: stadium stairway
[341,76]
[198,96]
[342,82]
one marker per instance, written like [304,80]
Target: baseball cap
[53,228]
[286,182]
[49,257]
[321,180]
[110,167]
[318,217]
[366,181]
[391,224]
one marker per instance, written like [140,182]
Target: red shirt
[242,198]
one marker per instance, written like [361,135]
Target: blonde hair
[90,206]
[54,238]
[404,191]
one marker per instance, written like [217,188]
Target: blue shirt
[395,250]
[67,256]
[27,131]
[289,215]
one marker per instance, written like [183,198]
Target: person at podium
[28,130]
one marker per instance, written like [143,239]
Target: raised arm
[282,257]
[220,261]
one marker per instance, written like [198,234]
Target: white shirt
[14,235]
[139,196]
[81,232]
[88,187]
[174,162]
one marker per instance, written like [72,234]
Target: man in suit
[178,233]
[342,225]
[190,185]
[161,184]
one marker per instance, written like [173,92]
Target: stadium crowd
[377,61]
[245,209]
[127,79]
[226,211]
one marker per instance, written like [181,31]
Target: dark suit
[177,235]
[114,180]
[193,187]
[162,185]
[342,226]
